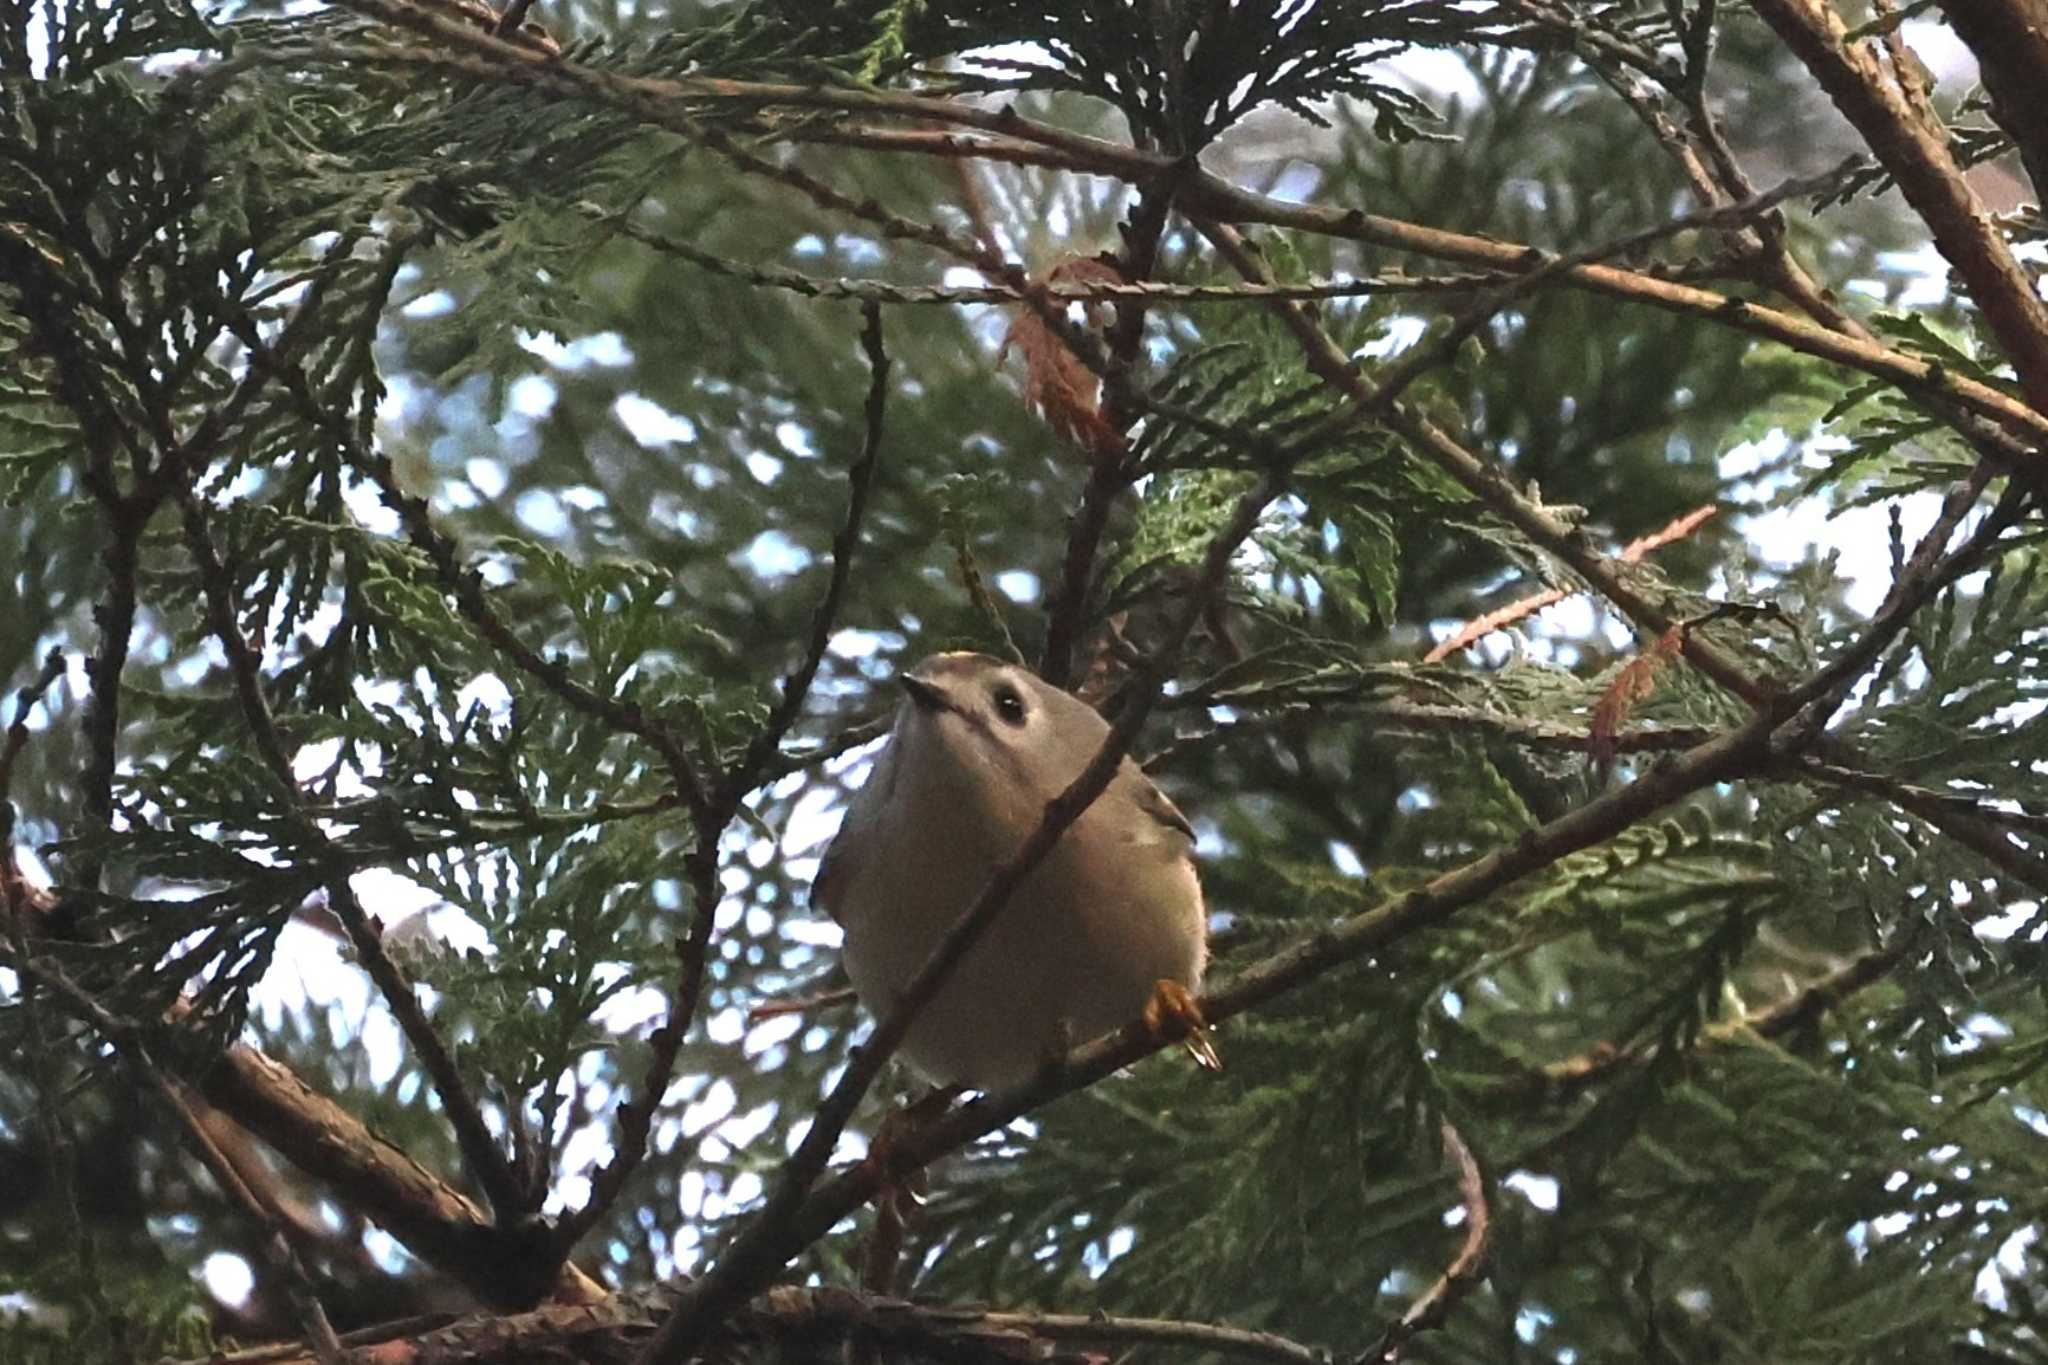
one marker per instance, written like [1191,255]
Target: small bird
[1108,926]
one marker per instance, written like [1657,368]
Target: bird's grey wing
[1154,803]
[835,870]
[856,828]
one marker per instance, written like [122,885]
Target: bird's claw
[1172,1013]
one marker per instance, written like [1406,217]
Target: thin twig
[1899,792]
[1432,1308]
[17,735]
[636,1117]
[1395,379]
[485,1158]
[1108,478]
[1632,553]
[1491,485]
[1406,720]
[1795,1010]
[1392,282]
[860,479]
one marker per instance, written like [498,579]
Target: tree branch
[1432,1308]
[485,1159]
[127,1038]
[796,1323]
[2009,39]
[666,103]
[1920,164]
[636,1117]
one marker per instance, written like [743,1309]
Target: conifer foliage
[472,476]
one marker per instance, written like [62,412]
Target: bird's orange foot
[901,1193]
[900,1125]
[1172,1013]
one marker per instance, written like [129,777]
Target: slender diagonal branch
[1108,478]
[860,479]
[1797,1009]
[485,1158]
[128,1039]
[17,736]
[636,1117]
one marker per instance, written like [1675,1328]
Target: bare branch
[1432,1308]
[17,736]
[1632,553]
[1797,1009]
[636,1117]
[436,1222]
[860,480]
[823,1322]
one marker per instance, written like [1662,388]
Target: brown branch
[1432,1308]
[860,480]
[1397,720]
[1632,553]
[1103,1330]
[809,1003]
[636,1117]
[1794,1011]
[115,617]
[1394,379]
[666,102]
[1059,292]
[435,1222]
[1492,487]
[128,1040]
[485,1159]
[2009,39]
[1898,791]
[17,737]
[1927,175]
[794,1323]
[1108,478]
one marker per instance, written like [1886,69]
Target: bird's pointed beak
[927,695]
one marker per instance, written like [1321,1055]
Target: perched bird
[1108,926]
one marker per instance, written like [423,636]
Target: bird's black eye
[1009,704]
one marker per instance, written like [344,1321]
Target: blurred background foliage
[647,461]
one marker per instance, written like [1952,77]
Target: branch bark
[1918,158]
[437,1223]
[2009,38]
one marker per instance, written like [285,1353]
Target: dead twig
[1501,617]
